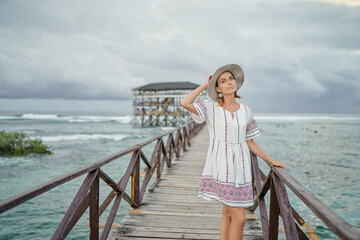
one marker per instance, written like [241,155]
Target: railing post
[94,209]
[135,177]
[181,139]
[191,130]
[169,147]
[188,134]
[274,213]
[285,208]
[158,163]
[176,144]
[261,200]
[183,142]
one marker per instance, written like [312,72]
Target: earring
[220,95]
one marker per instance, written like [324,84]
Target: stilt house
[158,104]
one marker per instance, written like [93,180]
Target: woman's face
[226,83]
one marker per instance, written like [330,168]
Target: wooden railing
[88,193]
[280,205]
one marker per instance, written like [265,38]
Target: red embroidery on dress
[242,157]
[227,191]
[251,126]
[226,146]
[202,106]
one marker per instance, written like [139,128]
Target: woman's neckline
[229,111]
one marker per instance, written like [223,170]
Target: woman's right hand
[207,80]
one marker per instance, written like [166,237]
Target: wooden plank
[171,229]
[164,201]
[179,230]
[102,225]
[175,191]
[140,238]
[170,204]
[160,196]
[181,208]
[172,235]
[181,221]
[187,186]
[184,213]
[304,226]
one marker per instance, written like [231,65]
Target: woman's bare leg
[225,223]
[238,219]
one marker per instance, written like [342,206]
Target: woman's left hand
[278,164]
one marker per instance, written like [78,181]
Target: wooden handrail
[337,224]
[88,193]
[276,180]
[36,191]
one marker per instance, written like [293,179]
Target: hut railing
[275,181]
[88,193]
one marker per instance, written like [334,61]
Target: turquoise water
[320,151]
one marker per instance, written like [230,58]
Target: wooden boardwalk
[174,211]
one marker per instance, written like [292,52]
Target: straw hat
[236,71]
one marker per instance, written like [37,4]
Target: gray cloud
[299,56]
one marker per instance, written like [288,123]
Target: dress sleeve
[252,129]
[202,113]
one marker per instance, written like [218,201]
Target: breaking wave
[83,137]
[291,118]
[75,119]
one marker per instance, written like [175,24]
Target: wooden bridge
[172,210]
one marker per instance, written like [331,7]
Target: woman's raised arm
[187,101]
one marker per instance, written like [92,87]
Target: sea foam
[291,118]
[82,137]
[72,119]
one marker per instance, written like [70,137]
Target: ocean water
[320,151]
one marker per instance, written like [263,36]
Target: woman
[227,173]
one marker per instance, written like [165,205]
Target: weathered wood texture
[174,211]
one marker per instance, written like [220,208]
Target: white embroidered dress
[227,173]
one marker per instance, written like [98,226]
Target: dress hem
[215,198]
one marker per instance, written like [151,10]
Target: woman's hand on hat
[208,80]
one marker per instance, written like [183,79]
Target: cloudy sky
[298,56]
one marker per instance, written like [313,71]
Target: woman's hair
[221,99]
